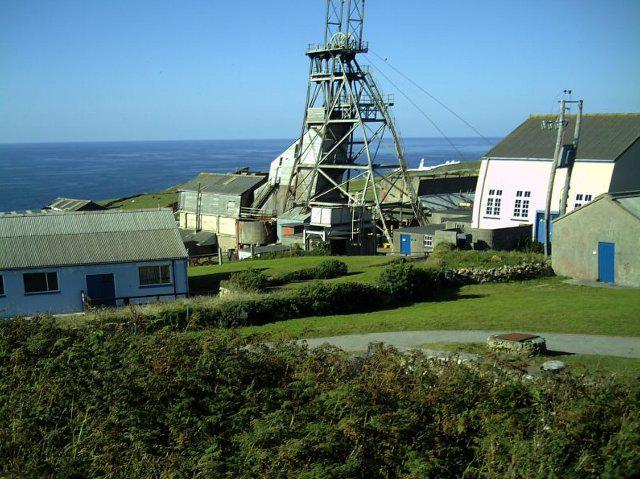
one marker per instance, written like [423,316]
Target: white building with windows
[56,262]
[514,175]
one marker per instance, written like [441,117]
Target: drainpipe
[173,268]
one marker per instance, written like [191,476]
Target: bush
[93,403]
[328,269]
[250,281]
[405,282]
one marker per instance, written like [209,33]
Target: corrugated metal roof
[39,240]
[71,204]
[446,201]
[224,184]
[295,215]
[603,137]
[427,229]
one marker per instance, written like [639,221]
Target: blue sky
[74,70]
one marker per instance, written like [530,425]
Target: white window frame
[522,204]
[427,241]
[494,203]
[46,274]
[159,273]
[582,199]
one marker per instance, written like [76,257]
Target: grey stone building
[600,241]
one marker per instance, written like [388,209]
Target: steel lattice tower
[346,119]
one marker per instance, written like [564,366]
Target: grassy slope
[546,305]
[163,199]
[361,268]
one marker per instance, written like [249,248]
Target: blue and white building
[54,262]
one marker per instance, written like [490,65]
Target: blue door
[541,226]
[606,262]
[405,245]
[101,289]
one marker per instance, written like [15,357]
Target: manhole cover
[518,337]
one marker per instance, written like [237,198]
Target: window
[40,282]
[582,199]
[521,206]
[154,275]
[494,202]
[1,286]
[428,241]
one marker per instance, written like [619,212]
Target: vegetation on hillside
[163,199]
[93,403]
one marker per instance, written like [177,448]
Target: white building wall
[72,282]
[511,176]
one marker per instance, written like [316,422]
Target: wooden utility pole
[576,141]
[552,176]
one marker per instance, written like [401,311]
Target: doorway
[101,289]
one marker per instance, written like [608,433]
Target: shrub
[328,269]
[444,247]
[92,403]
[405,282]
[249,280]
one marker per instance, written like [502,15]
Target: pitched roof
[37,240]
[630,201]
[224,184]
[71,204]
[602,137]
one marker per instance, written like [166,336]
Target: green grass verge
[624,369]
[545,305]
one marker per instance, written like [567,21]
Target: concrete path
[623,347]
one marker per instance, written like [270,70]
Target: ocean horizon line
[81,142]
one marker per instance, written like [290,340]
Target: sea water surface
[32,175]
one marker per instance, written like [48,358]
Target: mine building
[600,241]
[225,205]
[53,262]
[514,175]
[71,204]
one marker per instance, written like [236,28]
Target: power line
[415,105]
[430,95]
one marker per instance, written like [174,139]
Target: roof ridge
[629,114]
[49,213]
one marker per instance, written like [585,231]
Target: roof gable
[602,137]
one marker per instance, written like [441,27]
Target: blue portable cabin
[62,262]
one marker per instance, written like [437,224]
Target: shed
[71,204]
[52,262]
[218,203]
[421,240]
[600,241]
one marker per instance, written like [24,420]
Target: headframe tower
[346,120]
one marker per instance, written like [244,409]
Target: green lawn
[545,305]
[363,269]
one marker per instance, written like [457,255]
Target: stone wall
[502,274]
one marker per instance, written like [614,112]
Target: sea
[32,175]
